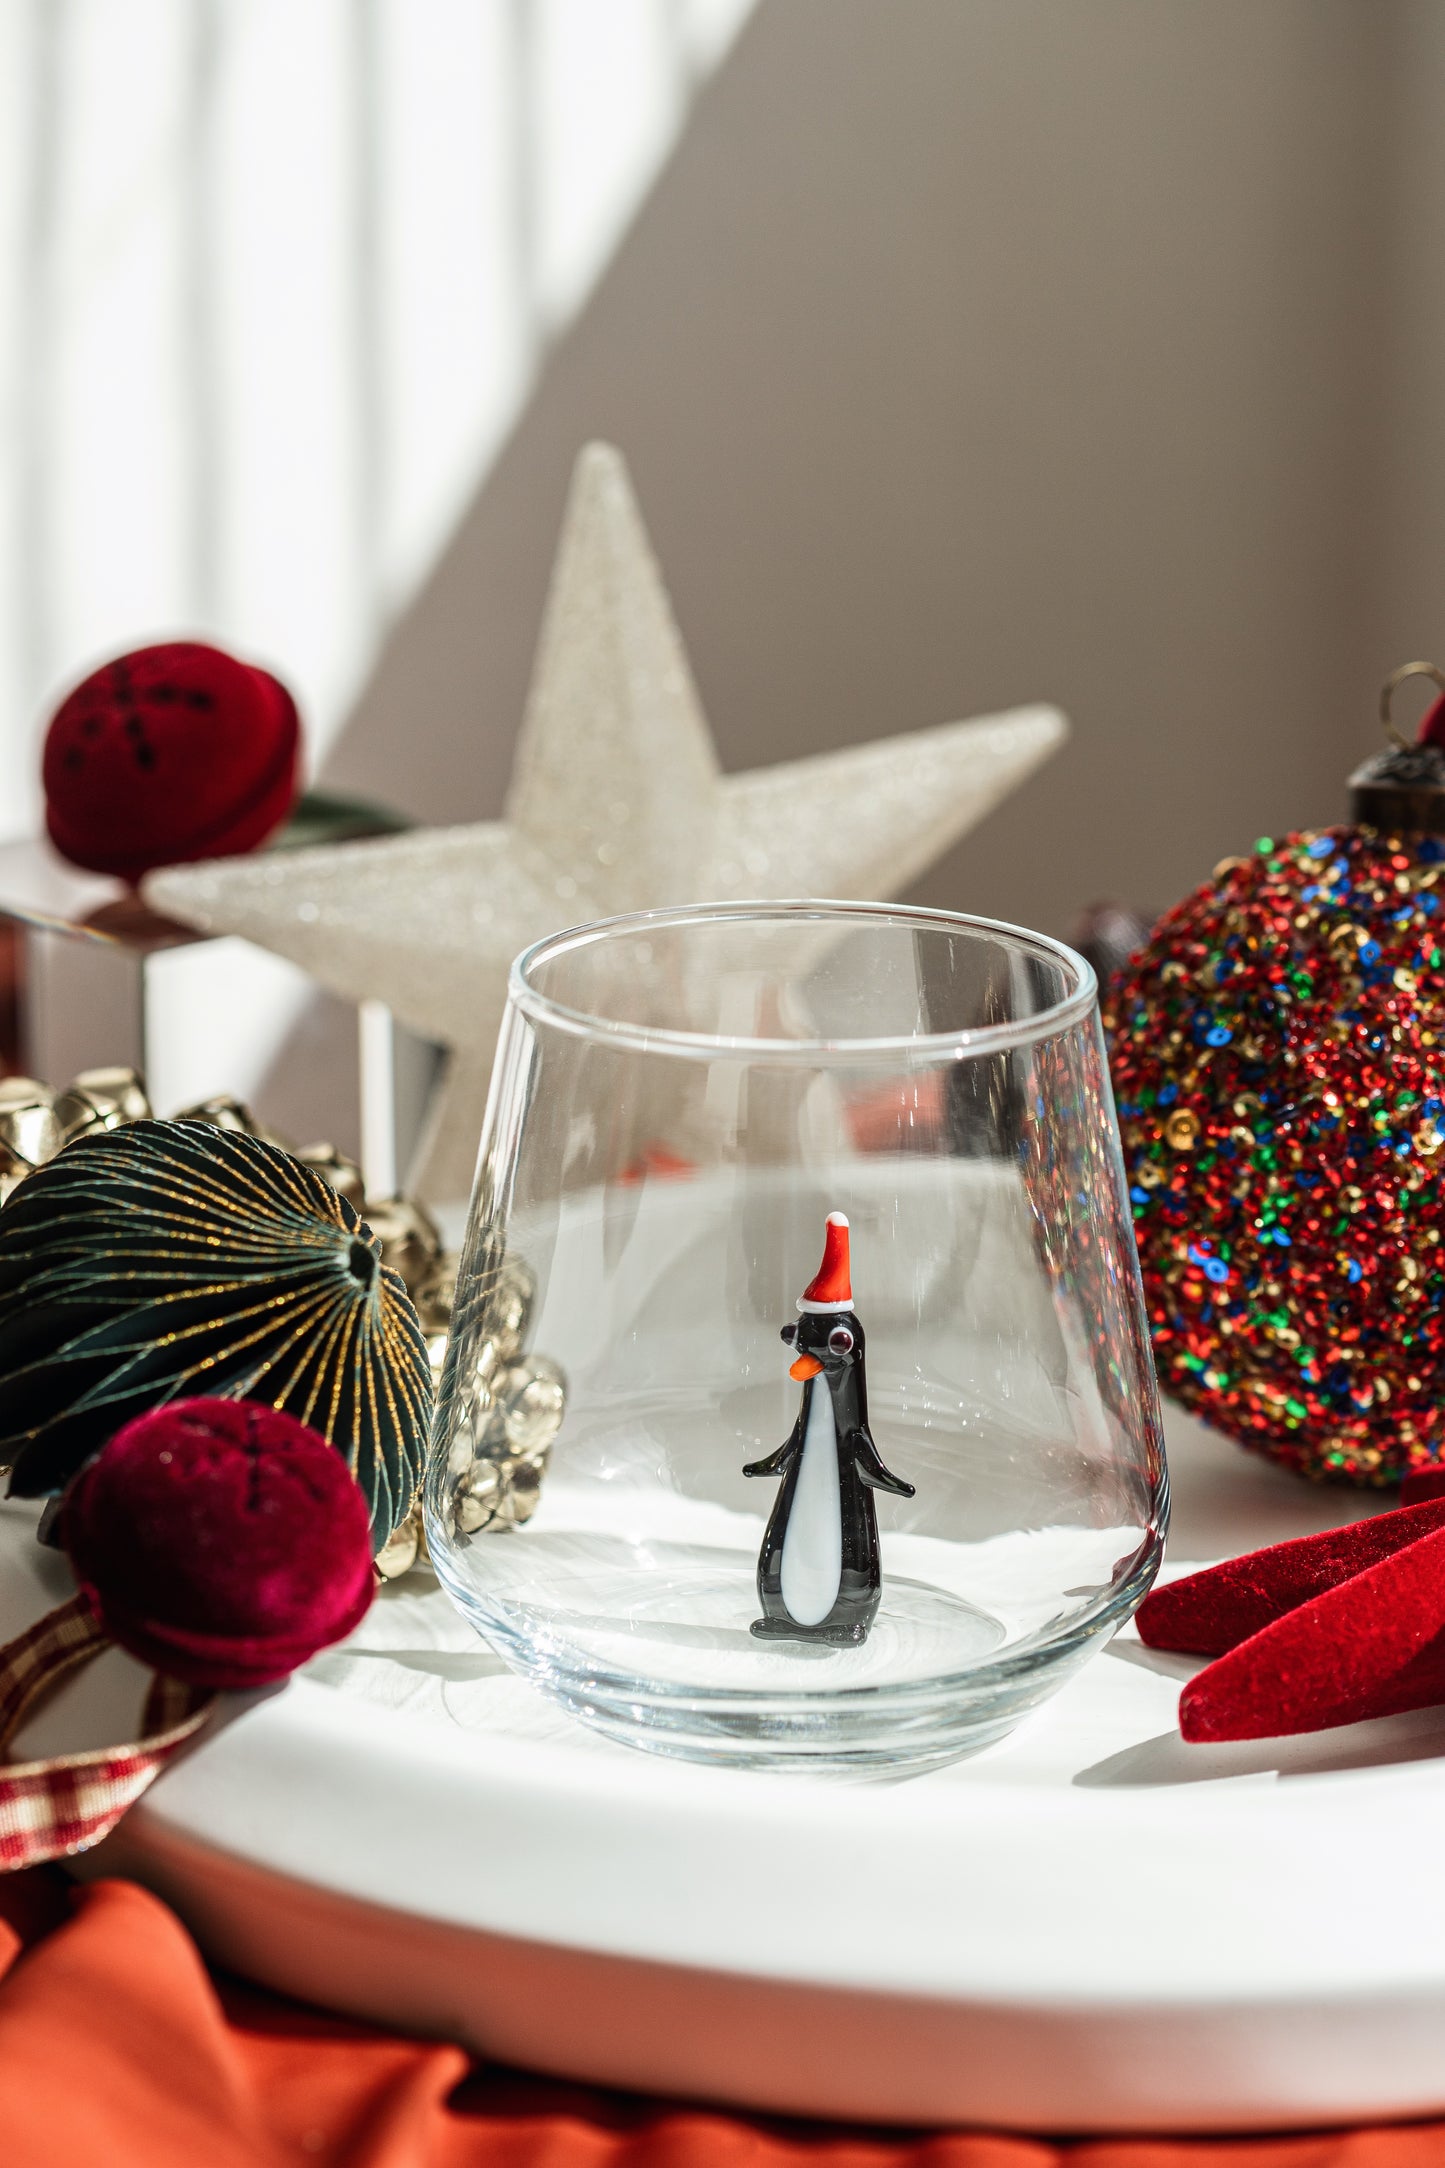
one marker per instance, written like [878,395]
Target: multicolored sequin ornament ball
[1278,1054]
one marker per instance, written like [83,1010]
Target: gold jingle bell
[334,1167]
[437,1343]
[495,1495]
[223,1112]
[100,1099]
[509,1308]
[435,1296]
[477,1496]
[529,1402]
[521,1494]
[411,1242]
[403,1548]
[460,1455]
[505,1304]
[510,1410]
[516,1414]
[29,1131]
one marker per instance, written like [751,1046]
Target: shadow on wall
[972,354]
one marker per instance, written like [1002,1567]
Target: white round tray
[1087,1927]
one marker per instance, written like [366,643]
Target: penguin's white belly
[813,1545]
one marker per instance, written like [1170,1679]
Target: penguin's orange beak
[806,1366]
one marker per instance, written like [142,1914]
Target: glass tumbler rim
[1059,1016]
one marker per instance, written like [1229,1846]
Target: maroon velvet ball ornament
[167,754]
[220,1541]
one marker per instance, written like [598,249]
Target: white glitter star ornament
[616,803]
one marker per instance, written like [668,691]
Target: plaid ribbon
[68,1802]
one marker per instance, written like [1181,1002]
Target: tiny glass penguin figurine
[819,1573]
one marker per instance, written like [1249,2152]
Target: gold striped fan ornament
[163,1259]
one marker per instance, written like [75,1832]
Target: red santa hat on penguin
[831,1287]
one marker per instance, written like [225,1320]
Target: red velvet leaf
[1372,1646]
[1426,1483]
[1209,1612]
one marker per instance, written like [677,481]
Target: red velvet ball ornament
[220,1541]
[167,754]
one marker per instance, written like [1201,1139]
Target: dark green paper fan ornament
[166,1259]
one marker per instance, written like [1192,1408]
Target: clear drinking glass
[681,1099]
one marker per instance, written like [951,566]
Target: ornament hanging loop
[1392,685]
[1401,790]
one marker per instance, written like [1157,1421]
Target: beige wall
[1404,570]
[979,351]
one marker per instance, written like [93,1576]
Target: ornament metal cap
[1402,790]
[831,1287]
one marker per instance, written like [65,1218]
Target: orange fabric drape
[118,2050]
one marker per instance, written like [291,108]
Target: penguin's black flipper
[776,1463]
[871,1469]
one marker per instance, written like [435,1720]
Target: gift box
[91,977]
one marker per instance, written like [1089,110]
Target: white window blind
[275,278]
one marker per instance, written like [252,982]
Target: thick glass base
[811,1707]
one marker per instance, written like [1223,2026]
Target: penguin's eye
[840,1340]
[788,1334]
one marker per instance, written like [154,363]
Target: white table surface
[1087,1926]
